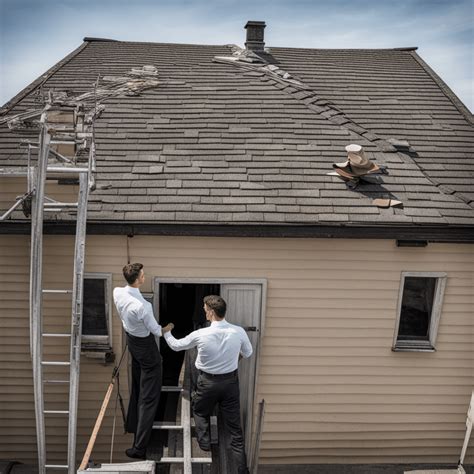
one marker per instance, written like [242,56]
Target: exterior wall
[334,390]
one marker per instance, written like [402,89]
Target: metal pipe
[36,265]
[17,204]
[64,169]
[76,325]
[60,204]
[51,169]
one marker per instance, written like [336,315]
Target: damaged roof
[218,139]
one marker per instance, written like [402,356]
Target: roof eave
[429,233]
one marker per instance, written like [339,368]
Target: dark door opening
[182,305]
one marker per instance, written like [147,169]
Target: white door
[244,307]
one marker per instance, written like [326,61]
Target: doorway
[180,301]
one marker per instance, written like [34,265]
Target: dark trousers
[146,388]
[222,389]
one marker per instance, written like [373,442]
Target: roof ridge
[41,80]
[400,48]
[89,39]
[448,92]
[92,39]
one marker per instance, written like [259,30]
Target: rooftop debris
[357,164]
[131,84]
[386,203]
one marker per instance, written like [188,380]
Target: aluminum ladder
[40,203]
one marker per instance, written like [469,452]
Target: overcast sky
[35,34]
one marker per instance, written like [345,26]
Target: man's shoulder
[235,327]
[122,291]
[119,290]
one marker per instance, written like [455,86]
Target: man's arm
[246,347]
[150,322]
[191,340]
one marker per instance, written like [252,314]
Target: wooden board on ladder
[184,446]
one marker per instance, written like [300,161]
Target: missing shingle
[399,144]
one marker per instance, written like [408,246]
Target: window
[419,310]
[96,312]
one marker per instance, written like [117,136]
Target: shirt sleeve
[246,347]
[191,340]
[149,321]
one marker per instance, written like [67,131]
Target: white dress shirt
[219,346]
[135,312]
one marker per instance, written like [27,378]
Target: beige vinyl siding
[334,390]
[17,420]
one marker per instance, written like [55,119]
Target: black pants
[222,389]
[146,388]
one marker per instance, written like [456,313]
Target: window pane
[417,304]
[94,319]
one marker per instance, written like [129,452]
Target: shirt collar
[218,323]
[134,291]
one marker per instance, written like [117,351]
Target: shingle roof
[237,143]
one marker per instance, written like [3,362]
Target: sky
[35,34]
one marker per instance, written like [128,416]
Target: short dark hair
[131,272]
[217,304]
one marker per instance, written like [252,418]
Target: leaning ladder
[39,202]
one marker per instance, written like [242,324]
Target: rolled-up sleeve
[246,348]
[191,340]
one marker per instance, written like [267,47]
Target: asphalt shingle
[215,142]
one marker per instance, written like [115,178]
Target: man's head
[215,307]
[134,274]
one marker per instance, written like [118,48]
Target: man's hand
[167,328]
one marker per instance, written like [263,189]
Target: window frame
[105,341]
[430,344]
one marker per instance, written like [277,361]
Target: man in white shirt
[141,328]
[219,347]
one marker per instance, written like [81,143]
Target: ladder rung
[51,334]
[181,460]
[159,425]
[171,460]
[60,205]
[56,412]
[57,291]
[57,466]
[55,363]
[67,169]
[55,381]
[171,388]
[201,460]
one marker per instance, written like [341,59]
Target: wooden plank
[186,421]
[434,471]
[123,468]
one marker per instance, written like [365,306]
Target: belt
[217,376]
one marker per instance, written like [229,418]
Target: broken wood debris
[386,203]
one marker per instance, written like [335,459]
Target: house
[214,167]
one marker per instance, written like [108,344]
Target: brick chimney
[255,35]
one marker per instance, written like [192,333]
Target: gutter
[452,234]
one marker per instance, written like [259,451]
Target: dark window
[417,307]
[94,314]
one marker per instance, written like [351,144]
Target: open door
[244,308]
